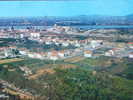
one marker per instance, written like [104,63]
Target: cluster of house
[62,29]
[86,47]
[66,41]
[62,41]
[62,54]
[35,33]
[10,51]
[91,48]
[120,52]
[52,55]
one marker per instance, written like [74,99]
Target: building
[130,55]
[35,35]
[109,53]
[88,53]
[130,45]
[9,52]
[53,55]
[61,54]
[31,55]
[23,51]
[95,43]
[65,44]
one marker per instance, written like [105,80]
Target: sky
[66,8]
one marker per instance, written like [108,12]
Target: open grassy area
[49,69]
[99,62]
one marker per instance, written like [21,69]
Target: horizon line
[68,16]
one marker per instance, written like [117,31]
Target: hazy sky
[66,8]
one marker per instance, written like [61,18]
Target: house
[4,35]
[31,55]
[77,45]
[35,55]
[9,52]
[21,36]
[88,53]
[40,55]
[116,52]
[23,51]
[61,54]
[53,55]
[65,44]
[43,54]
[48,42]
[35,35]
[2,53]
[130,45]
[95,43]
[13,47]
[109,53]
[130,55]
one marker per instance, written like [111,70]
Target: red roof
[114,49]
[130,42]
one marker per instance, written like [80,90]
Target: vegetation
[79,84]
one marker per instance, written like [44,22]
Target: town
[60,42]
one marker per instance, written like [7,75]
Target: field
[10,60]
[49,69]
[74,59]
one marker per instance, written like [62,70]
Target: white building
[35,35]
[61,54]
[53,55]
[21,35]
[23,52]
[31,55]
[39,56]
[77,45]
[130,55]
[65,44]
[95,43]
[109,53]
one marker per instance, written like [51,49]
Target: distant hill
[74,20]
[129,17]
